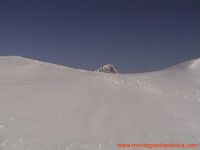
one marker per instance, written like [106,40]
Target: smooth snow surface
[49,107]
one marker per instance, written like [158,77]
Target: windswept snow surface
[49,107]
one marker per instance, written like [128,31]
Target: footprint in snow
[99,145]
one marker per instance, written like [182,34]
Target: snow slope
[49,107]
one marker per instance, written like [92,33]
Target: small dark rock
[107,69]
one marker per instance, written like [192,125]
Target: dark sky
[133,35]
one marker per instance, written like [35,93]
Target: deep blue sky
[133,35]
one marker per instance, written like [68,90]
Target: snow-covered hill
[49,107]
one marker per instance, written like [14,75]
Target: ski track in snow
[159,86]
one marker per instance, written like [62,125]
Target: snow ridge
[195,63]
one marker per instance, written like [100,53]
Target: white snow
[195,63]
[49,107]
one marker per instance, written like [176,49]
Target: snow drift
[49,107]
